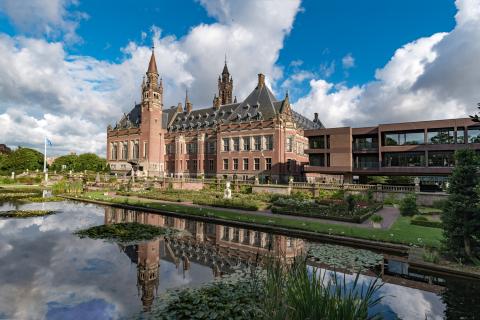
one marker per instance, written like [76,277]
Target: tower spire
[152,66]
[188,104]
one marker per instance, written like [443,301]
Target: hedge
[431,224]
[228,203]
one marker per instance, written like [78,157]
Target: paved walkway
[389,214]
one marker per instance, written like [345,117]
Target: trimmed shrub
[235,203]
[376,218]
[430,224]
[408,205]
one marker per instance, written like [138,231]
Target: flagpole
[45,160]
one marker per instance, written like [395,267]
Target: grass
[401,232]
[124,232]
[429,210]
[25,213]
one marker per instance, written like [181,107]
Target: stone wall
[271,188]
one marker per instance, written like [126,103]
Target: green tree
[21,160]
[91,162]
[408,205]
[69,161]
[461,215]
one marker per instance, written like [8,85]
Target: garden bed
[426,221]
[334,211]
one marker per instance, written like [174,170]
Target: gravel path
[389,214]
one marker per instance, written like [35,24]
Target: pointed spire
[152,66]
[188,104]
[225,68]
[235,101]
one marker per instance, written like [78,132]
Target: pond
[47,272]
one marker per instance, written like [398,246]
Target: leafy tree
[461,215]
[69,161]
[408,205]
[91,162]
[21,160]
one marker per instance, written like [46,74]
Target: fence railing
[353,187]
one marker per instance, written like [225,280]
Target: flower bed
[333,211]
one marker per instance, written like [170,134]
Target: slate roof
[260,104]
[131,119]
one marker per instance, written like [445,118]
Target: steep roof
[152,66]
[131,119]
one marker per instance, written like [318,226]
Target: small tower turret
[225,86]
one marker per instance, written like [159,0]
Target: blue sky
[337,58]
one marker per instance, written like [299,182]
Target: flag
[48,142]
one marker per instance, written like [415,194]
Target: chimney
[315,117]
[261,80]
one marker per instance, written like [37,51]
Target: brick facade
[257,137]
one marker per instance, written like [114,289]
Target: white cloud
[50,18]
[348,61]
[430,78]
[46,91]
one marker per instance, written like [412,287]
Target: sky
[68,68]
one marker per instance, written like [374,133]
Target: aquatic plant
[25,213]
[125,232]
[344,257]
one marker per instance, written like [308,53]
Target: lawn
[402,232]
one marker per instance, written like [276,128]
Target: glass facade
[404,159]
[441,159]
[364,162]
[441,136]
[403,138]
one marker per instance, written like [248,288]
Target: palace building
[260,136]
[264,137]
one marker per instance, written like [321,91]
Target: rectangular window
[317,159]
[145,146]
[474,135]
[225,164]
[289,144]
[136,151]
[256,164]
[257,143]
[246,143]
[441,159]
[212,147]
[316,142]
[226,233]
[404,159]
[210,165]
[441,136]
[365,143]
[328,141]
[236,144]
[461,135]
[245,164]
[235,164]
[226,144]
[236,235]
[268,163]
[403,138]
[191,148]
[269,142]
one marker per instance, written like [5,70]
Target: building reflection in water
[221,248]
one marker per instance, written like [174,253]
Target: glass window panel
[317,142]
[404,159]
[441,159]
[441,136]
[460,135]
[474,135]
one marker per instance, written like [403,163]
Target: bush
[390,201]
[419,218]
[408,205]
[6,180]
[376,218]
[301,195]
[439,204]
[351,202]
